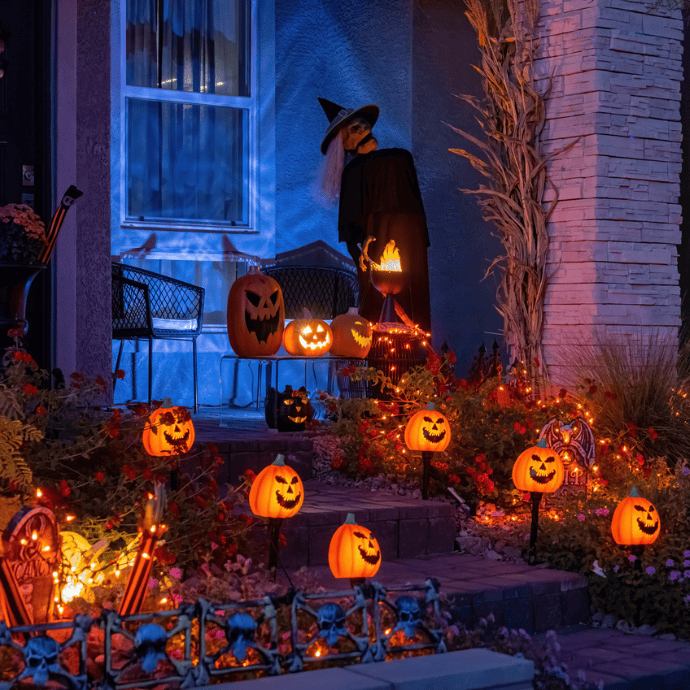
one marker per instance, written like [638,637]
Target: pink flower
[632,557]
[176,573]
[581,517]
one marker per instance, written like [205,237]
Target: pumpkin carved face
[354,551]
[256,315]
[294,409]
[427,430]
[169,431]
[307,337]
[352,335]
[635,521]
[538,469]
[277,491]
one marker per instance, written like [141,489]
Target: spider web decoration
[574,442]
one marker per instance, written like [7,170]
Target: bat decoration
[574,442]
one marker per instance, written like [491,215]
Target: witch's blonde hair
[326,187]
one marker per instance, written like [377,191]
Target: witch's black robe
[379,196]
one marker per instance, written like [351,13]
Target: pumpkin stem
[430,407]
[633,492]
[350,519]
[167,402]
[307,313]
[280,460]
[542,443]
[353,310]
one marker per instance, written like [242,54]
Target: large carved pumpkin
[539,468]
[277,491]
[256,315]
[352,335]
[307,337]
[168,431]
[354,551]
[427,430]
[635,521]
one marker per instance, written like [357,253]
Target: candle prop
[70,196]
[151,531]
[354,552]
[277,493]
[427,431]
[538,470]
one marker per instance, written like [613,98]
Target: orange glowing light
[390,259]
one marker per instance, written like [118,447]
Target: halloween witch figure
[379,197]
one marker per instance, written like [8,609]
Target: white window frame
[249,103]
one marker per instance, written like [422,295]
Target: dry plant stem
[512,115]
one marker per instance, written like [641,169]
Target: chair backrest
[325,292]
[175,308]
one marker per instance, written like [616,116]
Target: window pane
[199,46]
[186,162]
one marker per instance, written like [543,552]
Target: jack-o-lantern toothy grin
[433,434]
[369,555]
[262,316]
[542,475]
[289,499]
[314,338]
[361,340]
[176,437]
[647,523]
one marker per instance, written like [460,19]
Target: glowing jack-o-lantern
[307,337]
[539,469]
[277,491]
[635,521]
[427,430]
[354,551]
[352,335]
[256,315]
[169,431]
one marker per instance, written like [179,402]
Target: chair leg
[117,364]
[150,367]
[196,387]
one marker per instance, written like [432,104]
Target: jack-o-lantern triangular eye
[294,480]
[428,419]
[319,329]
[642,509]
[253,298]
[651,509]
[306,330]
[550,459]
[274,298]
[360,535]
[280,479]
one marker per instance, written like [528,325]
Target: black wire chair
[325,292]
[150,306]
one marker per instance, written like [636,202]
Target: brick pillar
[612,262]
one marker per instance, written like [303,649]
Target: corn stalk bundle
[512,115]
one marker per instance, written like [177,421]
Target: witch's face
[357,136]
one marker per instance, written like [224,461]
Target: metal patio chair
[150,306]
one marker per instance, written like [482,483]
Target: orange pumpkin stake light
[168,431]
[277,493]
[538,470]
[429,432]
[635,523]
[307,337]
[354,552]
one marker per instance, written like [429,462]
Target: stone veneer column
[612,261]
[93,283]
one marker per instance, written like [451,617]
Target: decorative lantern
[539,470]
[352,335]
[427,431]
[277,493]
[354,552]
[256,315]
[574,442]
[307,337]
[169,431]
[635,521]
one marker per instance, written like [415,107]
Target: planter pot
[15,282]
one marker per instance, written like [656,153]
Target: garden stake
[274,540]
[536,498]
[637,551]
[427,455]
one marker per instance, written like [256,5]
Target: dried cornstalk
[512,115]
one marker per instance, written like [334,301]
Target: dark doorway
[25,136]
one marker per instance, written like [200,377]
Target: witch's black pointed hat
[339,117]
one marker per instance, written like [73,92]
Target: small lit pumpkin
[256,315]
[427,430]
[352,335]
[307,337]
[353,551]
[539,468]
[168,431]
[277,491]
[635,521]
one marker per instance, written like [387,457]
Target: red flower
[592,389]
[652,434]
[451,357]
[249,476]
[373,433]
[30,389]
[480,458]
[632,429]
[64,488]
[282,541]
[99,477]
[129,472]
[41,410]
[610,395]
[640,460]
[164,556]
[14,333]
[174,510]
[362,428]
[562,393]
[519,428]
[454,479]
[120,374]
[19,356]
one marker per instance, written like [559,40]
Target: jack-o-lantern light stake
[538,470]
[354,552]
[151,531]
[277,493]
[635,523]
[429,432]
